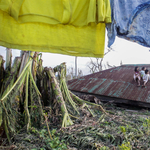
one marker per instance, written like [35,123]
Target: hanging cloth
[130,20]
[71,27]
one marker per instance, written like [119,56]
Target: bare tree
[71,73]
[97,65]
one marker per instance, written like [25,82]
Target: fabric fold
[104,11]
[73,12]
[131,21]
[12,7]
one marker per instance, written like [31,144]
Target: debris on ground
[38,112]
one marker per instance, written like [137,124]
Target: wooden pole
[8,59]
[76,67]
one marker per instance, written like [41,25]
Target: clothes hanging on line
[130,20]
[71,27]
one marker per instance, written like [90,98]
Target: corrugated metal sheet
[116,82]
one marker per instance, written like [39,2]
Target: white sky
[125,51]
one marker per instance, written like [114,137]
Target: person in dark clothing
[137,76]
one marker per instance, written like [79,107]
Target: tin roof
[115,82]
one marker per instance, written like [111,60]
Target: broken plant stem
[34,83]
[73,116]
[64,86]
[6,131]
[56,89]
[81,101]
[16,81]
[101,118]
[31,97]
[61,69]
[27,114]
[85,105]
[66,120]
[38,94]
[48,127]
[1,72]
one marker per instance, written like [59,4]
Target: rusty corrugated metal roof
[115,82]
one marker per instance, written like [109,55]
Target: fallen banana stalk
[85,105]
[48,127]
[56,89]
[61,69]
[27,114]
[1,72]
[52,93]
[81,101]
[4,96]
[24,77]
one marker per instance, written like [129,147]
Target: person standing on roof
[142,72]
[137,76]
[145,77]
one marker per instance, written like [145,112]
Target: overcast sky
[123,50]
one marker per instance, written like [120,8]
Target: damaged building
[115,84]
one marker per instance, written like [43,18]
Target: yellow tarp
[71,27]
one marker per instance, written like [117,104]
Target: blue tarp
[130,20]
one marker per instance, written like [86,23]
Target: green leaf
[42,149]
[53,131]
